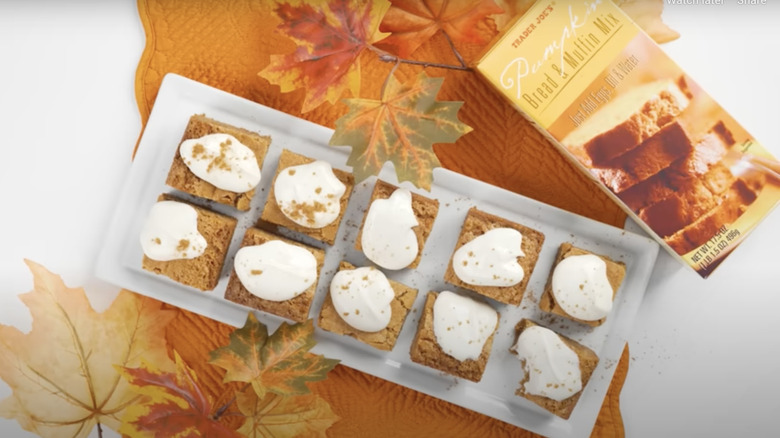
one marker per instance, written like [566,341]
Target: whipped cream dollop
[171,232]
[388,237]
[491,259]
[581,287]
[223,161]
[553,369]
[309,194]
[462,325]
[275,270]
[362,298]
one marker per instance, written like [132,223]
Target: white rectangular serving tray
[179,98]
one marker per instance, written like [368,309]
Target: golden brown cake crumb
[296,309]
[273,214]
[478,222]
[331,321]
[181,178]
[203,271]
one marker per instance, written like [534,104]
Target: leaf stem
[387,79]
[100,430]
[454,50]
[221,411]
[389,57]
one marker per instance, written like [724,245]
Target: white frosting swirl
[275,270]
[171,232]
[581,287]
[388,238]
[491,259]
[462,325]
[362,298]
[309,194]
[223,161]
[553,369]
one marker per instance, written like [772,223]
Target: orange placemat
[225,45]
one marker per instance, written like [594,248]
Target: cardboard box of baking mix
[613,102]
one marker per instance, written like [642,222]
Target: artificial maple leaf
[330,38]
[282,416]
[413,22]
[62,372]
[280,363]
[174,405]
[512,8]
[401,128]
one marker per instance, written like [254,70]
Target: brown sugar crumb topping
[318,190]
[256,272]
[291,172]
[157,240]
[183,245]
[219,161]
[298,211]
[197,150]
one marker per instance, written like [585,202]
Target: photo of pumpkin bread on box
[308,196]
[494,257]
[218,162]
[651,147]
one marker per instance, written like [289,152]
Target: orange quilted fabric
[225,44]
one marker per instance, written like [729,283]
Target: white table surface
[705,355]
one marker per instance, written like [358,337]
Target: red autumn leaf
[402,128]
[174,405]
[330,38]
[413,22]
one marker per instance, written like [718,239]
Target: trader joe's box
[614,103]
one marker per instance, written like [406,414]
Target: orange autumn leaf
[400,128]
[512,9]
[330,38]
[174,405]
[280,416]
[280,363]
[62,373]
[413,22]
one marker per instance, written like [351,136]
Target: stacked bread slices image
[651,149]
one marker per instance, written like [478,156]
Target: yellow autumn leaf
[62,373]
[281,416]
